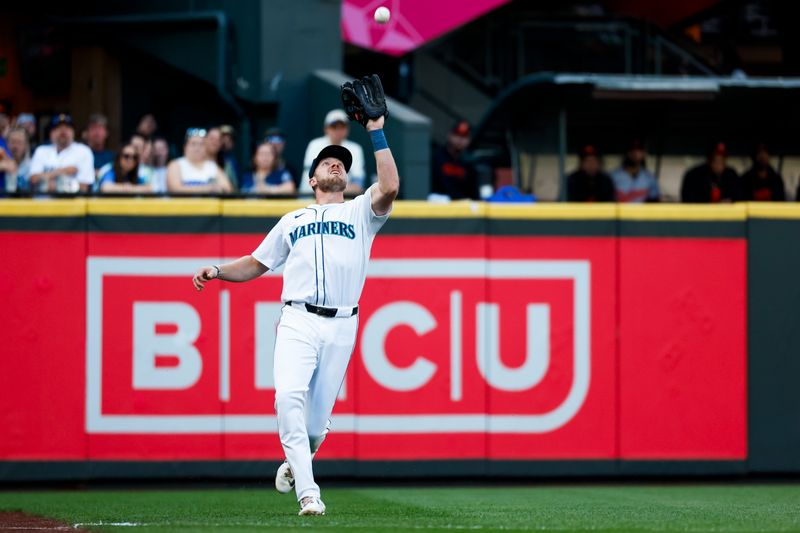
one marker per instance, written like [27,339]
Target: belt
[328,312]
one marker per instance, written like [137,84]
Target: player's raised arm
[243,269]
[388,177]
[364,102]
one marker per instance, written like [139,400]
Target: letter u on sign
[537,357]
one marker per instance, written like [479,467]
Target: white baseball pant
[311,357]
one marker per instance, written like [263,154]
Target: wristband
[378,140]
[217,276]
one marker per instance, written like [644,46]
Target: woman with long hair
[268,176]
[123,176]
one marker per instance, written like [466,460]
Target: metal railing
[516,49]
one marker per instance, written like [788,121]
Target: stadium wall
[494,340]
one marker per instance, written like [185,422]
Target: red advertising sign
[683,349]
[447,346]
[468,347]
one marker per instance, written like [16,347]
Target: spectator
[96,135]
[158,163]
[451,175]
[762,183]
[123,176]
[5,124]
[64,165]
[267,176]
[589,183]
[139,142]
[20,150]
[8,170]
[147,126]
[194,173]
[632,181]
[28,122]
[227,153]
[276,138]
[337,128]
[144,150]
[213,141]
[713,181]
[214,151]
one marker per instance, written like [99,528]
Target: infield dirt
[19,521]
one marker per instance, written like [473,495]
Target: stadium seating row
[540,172]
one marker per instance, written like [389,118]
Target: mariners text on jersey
[326,250]
[323,228]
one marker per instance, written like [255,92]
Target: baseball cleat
[311,505]
[284,479]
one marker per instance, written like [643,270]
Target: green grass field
[595,508]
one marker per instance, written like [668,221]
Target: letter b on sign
[148,345]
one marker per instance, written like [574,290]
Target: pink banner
[412,24]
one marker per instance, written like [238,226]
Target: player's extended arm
[365,102]
[243,269]
[388,178]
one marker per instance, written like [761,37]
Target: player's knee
[317,430]
[286,401]
[315,441]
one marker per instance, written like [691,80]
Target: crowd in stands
[453,176]
[712,181]
[208,164]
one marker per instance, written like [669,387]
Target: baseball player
[325,248]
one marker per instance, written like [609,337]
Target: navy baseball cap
[62,118]
[334,150]
[274,135]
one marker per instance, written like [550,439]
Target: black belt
[328,312]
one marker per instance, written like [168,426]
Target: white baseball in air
[382,15]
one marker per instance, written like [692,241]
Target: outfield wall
[494,339]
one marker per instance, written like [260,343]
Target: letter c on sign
[378,365]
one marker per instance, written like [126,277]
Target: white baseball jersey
[326,249]
[47,157]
